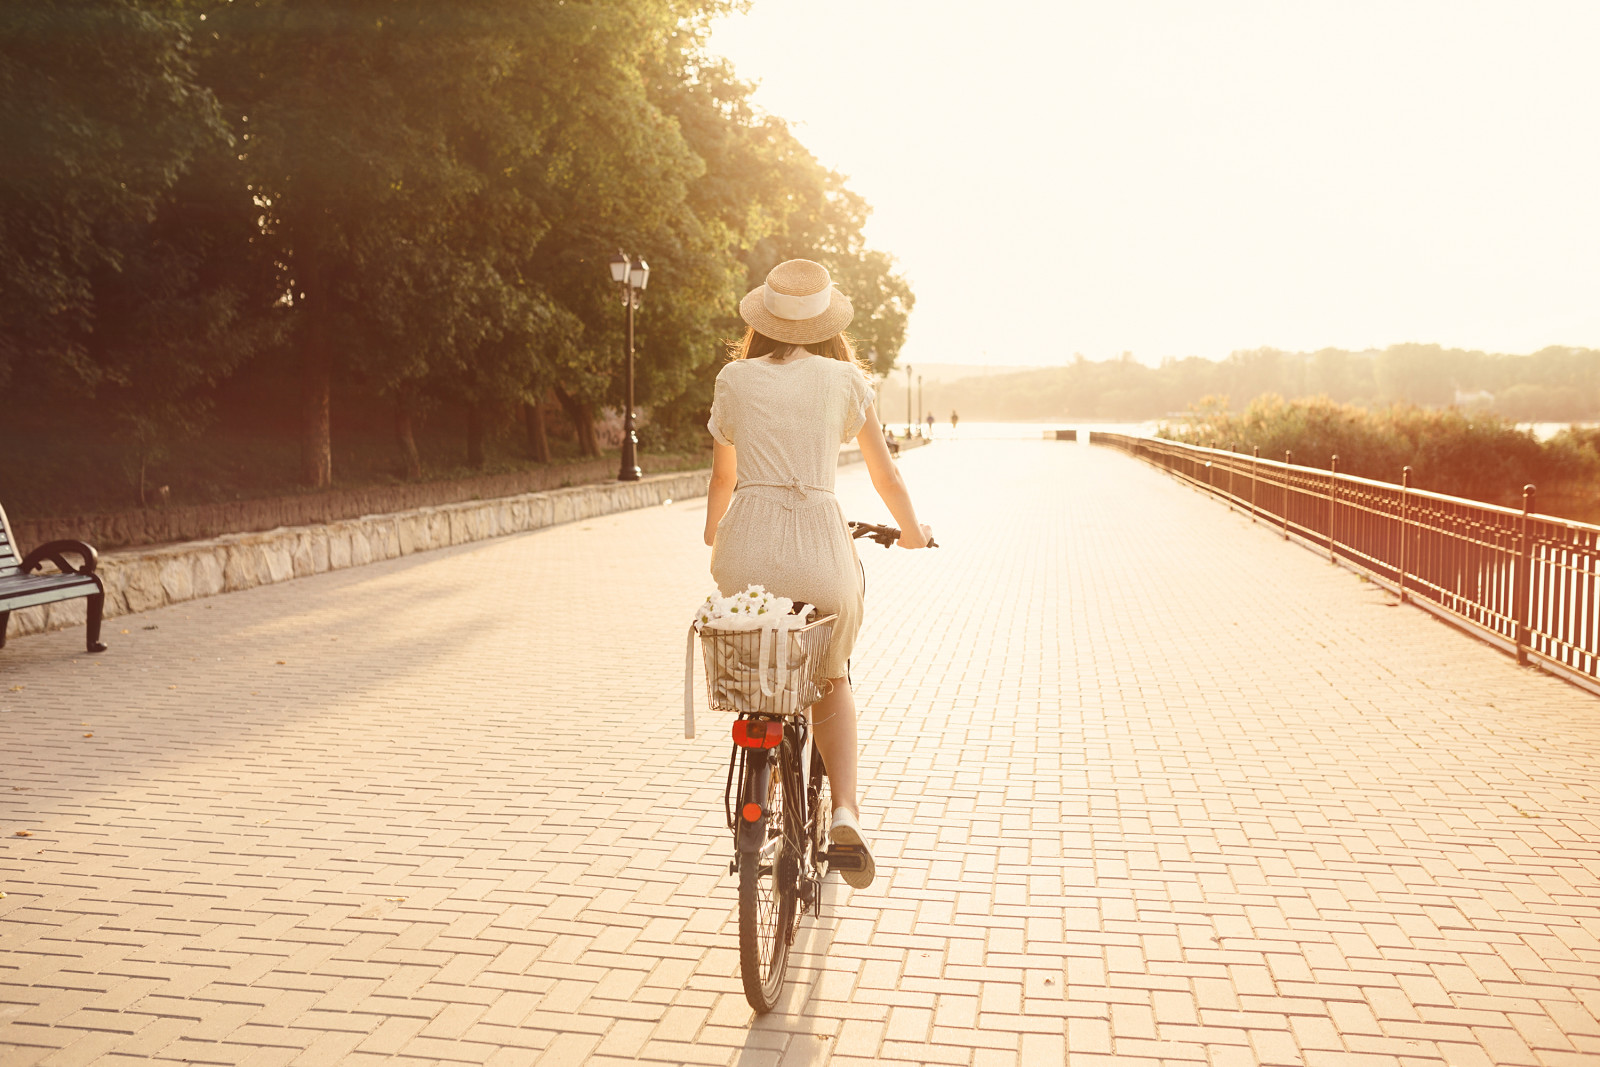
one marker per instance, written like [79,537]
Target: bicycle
[776,805]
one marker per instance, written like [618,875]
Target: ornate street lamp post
[632,275]
[908,400]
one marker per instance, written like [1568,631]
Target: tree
[1420,374]
[634,175]
[124,225]
[102,115]
[410,200]
[349,107]
[822,219]
[180,315]
[567,170]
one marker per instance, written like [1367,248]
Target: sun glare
[1190,179]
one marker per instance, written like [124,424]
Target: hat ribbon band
[786,306]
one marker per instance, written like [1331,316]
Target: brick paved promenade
[1152,785]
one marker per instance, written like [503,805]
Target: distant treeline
[1551,385]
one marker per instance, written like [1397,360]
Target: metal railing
[1529,583]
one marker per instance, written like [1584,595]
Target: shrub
[1473,454]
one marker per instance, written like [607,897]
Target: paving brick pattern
[1149,785]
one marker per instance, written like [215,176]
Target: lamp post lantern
[631,274]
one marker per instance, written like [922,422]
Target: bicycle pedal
[733,866]
[847,858]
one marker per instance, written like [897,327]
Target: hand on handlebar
[925,541]
[888,536]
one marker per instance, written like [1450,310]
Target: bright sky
[1191,178]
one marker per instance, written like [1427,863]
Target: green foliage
[101,115]
[1473,454]
[402,202]
[762,198]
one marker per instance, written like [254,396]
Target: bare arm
[724,476]
[890,486]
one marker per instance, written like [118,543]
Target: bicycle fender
[752,835]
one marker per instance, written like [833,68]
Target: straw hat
[798,305]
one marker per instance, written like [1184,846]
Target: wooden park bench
[20,587]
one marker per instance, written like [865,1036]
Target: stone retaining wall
[142,579]
[194,522]
[145,578]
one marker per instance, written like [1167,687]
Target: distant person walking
[955,420]
[930,424]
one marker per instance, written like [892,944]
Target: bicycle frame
[752,769]
[749,775]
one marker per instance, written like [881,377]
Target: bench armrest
[54,552]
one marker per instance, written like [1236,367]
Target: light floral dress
[784,529]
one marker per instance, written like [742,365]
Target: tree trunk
[582,421]
[316,366]
[407,441]
[316,441]
[475,436]
[538,439]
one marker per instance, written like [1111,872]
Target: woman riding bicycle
[793,393]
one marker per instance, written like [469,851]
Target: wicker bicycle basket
[786,680]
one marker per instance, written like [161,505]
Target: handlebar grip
[884,535]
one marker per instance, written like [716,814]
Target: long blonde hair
[840,346]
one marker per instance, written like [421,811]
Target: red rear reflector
[758,733]
[751,812]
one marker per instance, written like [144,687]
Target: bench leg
[97,607]
[5,620]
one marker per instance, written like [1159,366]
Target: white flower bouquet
[763,655]
[753,609]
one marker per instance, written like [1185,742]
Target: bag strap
[688,686]
[767,690]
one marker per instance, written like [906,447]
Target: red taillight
[758,733]
[751,812]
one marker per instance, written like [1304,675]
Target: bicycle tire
[767,891]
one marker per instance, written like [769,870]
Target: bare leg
[833,721]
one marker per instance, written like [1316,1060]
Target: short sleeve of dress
[857,398]
[721,412]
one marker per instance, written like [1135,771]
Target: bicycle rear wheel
[767,889]
[821,821]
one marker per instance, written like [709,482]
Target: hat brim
[753,310]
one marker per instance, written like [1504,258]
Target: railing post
[1288,461]
[1230,474]
[1255,461]
[1405,501]
[1523,587]
[1333,477]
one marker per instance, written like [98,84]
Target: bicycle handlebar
[884,535]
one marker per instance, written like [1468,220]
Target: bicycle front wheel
[767,884]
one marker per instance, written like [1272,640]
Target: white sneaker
[846,830]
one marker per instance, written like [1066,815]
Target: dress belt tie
[794,485]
